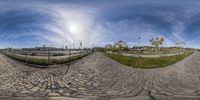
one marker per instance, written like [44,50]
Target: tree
[108,47]
[117,46]
[157,42]
[180,46]
[120,46]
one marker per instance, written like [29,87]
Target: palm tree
[180,46]
[117,46]
[157,42]
[108,46]
[120,45]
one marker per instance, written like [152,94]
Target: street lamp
[81,46]
[93,47]
[139,41]
[139,38]
[69,53]
[73,46]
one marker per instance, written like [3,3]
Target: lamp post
[93,47]
[139,46]
[48,49]
[69,53]
[68,60]
[139,41]
[81,44]
[73,46]
[26,55]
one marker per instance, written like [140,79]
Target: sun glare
[73,28]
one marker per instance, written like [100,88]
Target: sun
[74,28]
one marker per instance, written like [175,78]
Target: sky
[29,23]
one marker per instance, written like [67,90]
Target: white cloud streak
[73,26]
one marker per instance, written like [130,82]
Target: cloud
[154,19]
[66,22]
[73,25]
[55,24]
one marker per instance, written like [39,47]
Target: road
[99,77]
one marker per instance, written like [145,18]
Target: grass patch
[147,63]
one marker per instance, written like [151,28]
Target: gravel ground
[98,77]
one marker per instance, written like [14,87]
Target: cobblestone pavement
[100,78]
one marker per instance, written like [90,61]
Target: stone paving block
[34,89]
[97,76]
[53,94]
